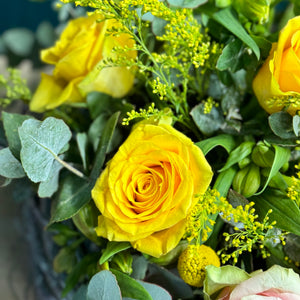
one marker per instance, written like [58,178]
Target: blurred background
[25,27]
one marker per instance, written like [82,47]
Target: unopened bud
[256,11]
[247,180]
[263,155]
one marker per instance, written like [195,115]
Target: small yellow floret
[192,263]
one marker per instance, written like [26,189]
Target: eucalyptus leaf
[41,144]
[11,123]
[224,140]
[155,291]
[296,124]
[226,18]
[19,40]
[292,247]
[80,294]
[158,26]
[187,3]
[284,210]
[111,249]
[130,287]
[104,286]
[50,186]
[74,193]
[207,123]
[45,34]
[281,124]
[10,167]
[242,151]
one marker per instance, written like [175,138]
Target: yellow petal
[160,243]
[52,93]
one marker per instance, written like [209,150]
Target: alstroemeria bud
[257,11]
[247,180]
[263,155]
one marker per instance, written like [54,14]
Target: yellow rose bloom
[147,189]
[82,45]
[279,77]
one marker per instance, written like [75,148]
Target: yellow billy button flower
[193,261]
[83,45]
[147,189]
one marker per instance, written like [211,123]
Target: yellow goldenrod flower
[192,263]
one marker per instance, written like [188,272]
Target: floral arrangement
[166,138]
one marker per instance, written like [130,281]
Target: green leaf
[282,156]
[99,103]
[50,186]
[96,130]
[292,247]
[242,151]
[224,140]
[103,146]
[113,248]
[10,167]
[296,124]
[186,3]
[41,144]
[64,260]
[284,210]
[74,193]
[281,124]
[155,291]
[229,59]
[104,286]
[228,20]
[82,142]
[86,220]
[11,123]
[79,271]
[130,287]
[224,181]
[19,40]
[207,123]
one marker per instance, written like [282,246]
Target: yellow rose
[82,45]
[148,188]
[279,77]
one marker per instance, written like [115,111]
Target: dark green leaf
[130,287]
[99,103]
[64,260]
[104,286]
[227,19]
[74,193]
[82,142]
[113,248]
[282,156]
[11,123]
[281,124]
[242,151]
[187,3]
[41,143]
[103,146]
[229,59]
[10,167]
[284,210]
[79,271]
[96,130]
[292,247]
[224,140]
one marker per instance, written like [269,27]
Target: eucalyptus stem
[70,168]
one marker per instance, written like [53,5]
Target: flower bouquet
[165,140]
